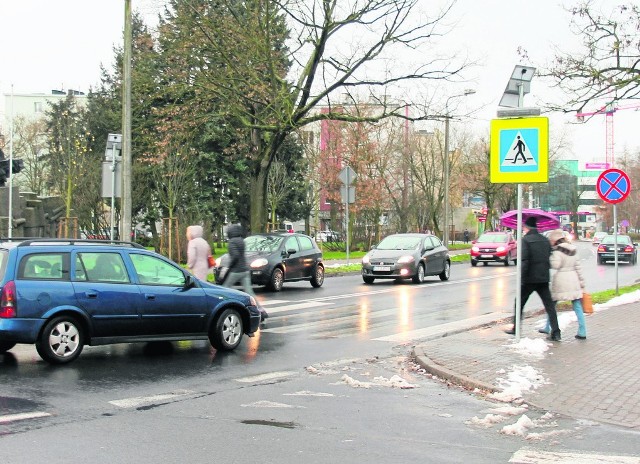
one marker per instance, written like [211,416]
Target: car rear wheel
[368,280]
[485,263]
[418,278]
[227,331]
[277,280]
[444,275]
[318,276]
[61,340]
[600,261]
[6,346]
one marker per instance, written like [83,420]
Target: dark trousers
[542,289]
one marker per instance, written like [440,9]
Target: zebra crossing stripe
[293,307]
[23,416]
[532,456]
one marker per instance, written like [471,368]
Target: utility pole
[125,232]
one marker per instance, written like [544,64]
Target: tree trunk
[258,200]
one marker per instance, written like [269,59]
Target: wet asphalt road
[163,402]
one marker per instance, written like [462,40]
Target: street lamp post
[447,117]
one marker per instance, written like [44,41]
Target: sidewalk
[595,379]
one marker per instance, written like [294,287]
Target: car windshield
[399,242]
[599,235]
[622,239]
[262,243]
[492,238]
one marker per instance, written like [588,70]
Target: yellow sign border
[542,174]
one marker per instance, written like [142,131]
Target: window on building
[37,107]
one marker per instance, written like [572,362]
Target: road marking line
[443,329]
[310,304]
[266,377]
[144,400]
[22,416]
[273,302]
[531,456]
[327,324]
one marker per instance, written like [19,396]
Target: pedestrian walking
[466,236]
[198,252]
[535,266]
[238,271]
[567,284]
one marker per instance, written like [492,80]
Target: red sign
[613,186]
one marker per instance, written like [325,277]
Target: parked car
[328,236]
[276,258]
[64,294]
[598,236]
[407,256]
[494,247]
[627,250]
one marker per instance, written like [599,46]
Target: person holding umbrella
[535,266]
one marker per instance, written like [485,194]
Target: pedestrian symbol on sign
[519,152]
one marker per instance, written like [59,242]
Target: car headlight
[252,301]
[260,262]
[475,249]
[500,249]
[406,259]
[219,261]
[365,259]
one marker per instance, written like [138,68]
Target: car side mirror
[373,247]
[473,242]
[290,251]
[189,281]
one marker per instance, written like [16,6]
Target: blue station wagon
[63,294]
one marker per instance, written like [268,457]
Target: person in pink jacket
[198,251]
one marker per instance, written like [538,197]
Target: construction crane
[608,111]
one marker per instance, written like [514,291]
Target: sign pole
[518,314]
[615,242]
[346,205]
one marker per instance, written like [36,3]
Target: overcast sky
[60,45]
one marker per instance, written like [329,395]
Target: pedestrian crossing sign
[519,150]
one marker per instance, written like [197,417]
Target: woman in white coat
[567,284]
[198,251]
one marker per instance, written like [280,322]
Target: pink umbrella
[546,220]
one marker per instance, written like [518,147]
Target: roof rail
[27,241]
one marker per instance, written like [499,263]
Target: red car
[494,247]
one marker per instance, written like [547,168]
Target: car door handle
[91,294]
[149,296]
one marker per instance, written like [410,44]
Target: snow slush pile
[532,347]
[394,382]
[520,379]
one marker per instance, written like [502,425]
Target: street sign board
[613,186]
[347,175]
[352,194]
[519,150]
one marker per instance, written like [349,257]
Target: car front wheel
[418,278]
[61,340]
[318,277]
[277,280]
[6,346]
[444,275]
[227,332]
[474,263]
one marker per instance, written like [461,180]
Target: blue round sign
[613,186]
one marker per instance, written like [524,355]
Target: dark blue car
[64,294]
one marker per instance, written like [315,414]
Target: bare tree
[608,67]
[273,89]
[30,144]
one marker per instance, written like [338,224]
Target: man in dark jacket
[535,266]
[238,272]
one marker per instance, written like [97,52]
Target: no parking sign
[613,186]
